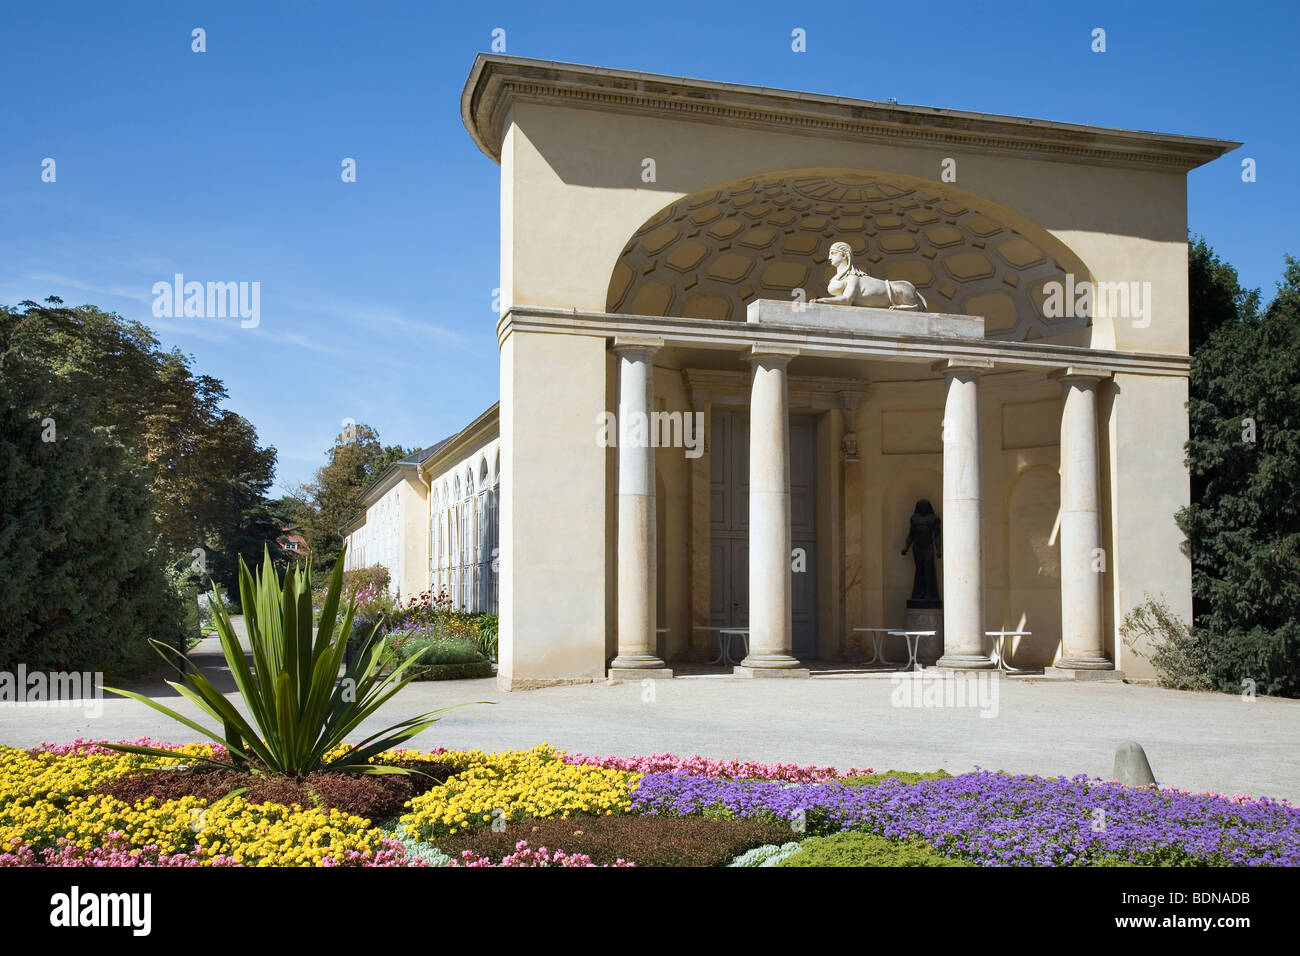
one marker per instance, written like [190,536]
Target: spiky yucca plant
[300,707]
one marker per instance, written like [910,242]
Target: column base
[633,667]
[1083,669]
[965,662]
[1084,664]
[747,671]
[632,675]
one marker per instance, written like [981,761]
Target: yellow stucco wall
[573,197]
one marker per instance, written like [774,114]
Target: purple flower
[1006,819]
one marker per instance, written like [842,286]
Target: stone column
[698,639]
[637,586]
[963,556]
[1083,562]
[770,586]
[851,504]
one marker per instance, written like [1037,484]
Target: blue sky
[376,295]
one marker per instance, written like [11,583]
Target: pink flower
[542,856]
[712,767]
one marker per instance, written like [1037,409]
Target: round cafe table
[1001,636]
[877,643]
[913,639]
[725,634]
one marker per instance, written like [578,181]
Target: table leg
[875,650]
[1003,664]
[721,654]
[880,639]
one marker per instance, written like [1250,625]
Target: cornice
[469,436]
[496,82]
[740,337]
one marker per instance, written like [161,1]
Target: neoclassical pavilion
[659,237]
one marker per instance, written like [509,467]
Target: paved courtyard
[1194,741]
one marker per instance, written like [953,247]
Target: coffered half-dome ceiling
[708,255]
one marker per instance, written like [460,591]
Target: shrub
[374,577]
[901,776]
[439,658]
[187,593]
[1180,654]
[375,603]
[426,609]
[469,670]
[485,632]
[209,599]
[867,849]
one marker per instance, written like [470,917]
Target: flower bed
[1005,819]
[710,767]
[647,839]
[81,804]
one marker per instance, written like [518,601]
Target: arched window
[494,537]
[482,537]
[458,541]
[468,543]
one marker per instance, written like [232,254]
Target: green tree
[356,460]
[203,465]
[1214,294]
[84,587]
[386,458]
[1243,523]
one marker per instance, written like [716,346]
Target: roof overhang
[496,82]
[358,520]
[454,448]
[388,480]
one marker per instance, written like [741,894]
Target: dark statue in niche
[925,539]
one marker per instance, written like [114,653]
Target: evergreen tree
[1243,524]
[84,586]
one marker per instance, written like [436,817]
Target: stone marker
[1131,766]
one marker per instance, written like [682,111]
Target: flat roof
[496,81]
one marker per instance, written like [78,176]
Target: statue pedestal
[926,616]
[864,320]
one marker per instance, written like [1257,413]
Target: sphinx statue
[852,286]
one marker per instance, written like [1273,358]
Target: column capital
[852,401]
[648,344]
[954,366]
[1080,373]
[770,353]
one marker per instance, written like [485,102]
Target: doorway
[729,525]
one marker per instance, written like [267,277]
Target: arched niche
[908,485]
[709,254]
[1032,597]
